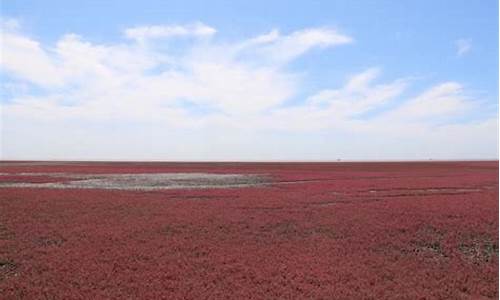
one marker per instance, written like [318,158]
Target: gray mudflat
[151,181]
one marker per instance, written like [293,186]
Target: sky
[249,80]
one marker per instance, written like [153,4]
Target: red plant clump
[317,231]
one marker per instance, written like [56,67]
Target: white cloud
[119,77]
[445,99]
[219,100]
[286,48]
[358,95]
[464,46]
[142,33]
[25,59]
[266,38]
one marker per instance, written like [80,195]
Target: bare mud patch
[143,181]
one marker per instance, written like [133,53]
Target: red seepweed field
[409,230]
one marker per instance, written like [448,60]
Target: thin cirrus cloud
[142,33]
[216,88]
[464,46]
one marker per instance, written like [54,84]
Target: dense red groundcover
[323,231]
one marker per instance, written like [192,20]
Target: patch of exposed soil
[152,181]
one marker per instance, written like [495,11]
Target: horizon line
[247,161]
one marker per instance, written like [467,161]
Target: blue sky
[249,80]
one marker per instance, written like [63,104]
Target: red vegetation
[321,231]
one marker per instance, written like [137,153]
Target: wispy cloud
[243,77]
[212,88]
[464,46]
[142,33]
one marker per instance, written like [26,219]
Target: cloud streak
[464,46]
[143,33]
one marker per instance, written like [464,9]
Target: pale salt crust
[151,181]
